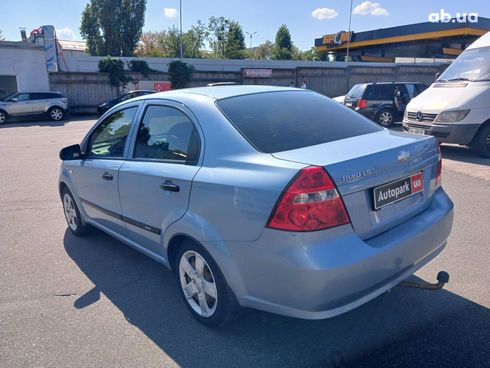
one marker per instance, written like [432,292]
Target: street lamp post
[349,35]
[251,36]
[180,13]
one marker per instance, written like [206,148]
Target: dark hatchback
[103,107]
[383,102]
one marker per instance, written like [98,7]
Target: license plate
[416,131]
[397,190]
[348,104]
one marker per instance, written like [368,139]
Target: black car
[103,107]
[383,102]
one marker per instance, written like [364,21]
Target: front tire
[481,142]
[56,113]
[3,117]
[72,215]
[202,285]
[385,118]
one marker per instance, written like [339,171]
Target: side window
[412,92]
[380,92]
[109,138]
[404,93]
[23,97]
[420,88]
[166,133]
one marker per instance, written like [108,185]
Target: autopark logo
[444,17]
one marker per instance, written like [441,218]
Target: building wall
[86,90]
[27,64]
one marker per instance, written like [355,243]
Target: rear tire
[56,113]
[481,142]
[385,118]
[3,117]
[203,287]
[73,218]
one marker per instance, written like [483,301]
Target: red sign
[417,183]
[257,73]
[162,86]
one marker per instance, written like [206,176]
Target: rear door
[39,101]
[155,181]
[98,175]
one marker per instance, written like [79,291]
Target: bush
[180,73]
[140,66]
[115,68]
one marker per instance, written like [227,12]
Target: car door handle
[107,176]
[168,185]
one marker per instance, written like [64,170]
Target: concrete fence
[85,90]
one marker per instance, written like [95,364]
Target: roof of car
[38,92]
[221,91]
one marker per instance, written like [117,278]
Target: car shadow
[403,328]
[463,154]
[43,121]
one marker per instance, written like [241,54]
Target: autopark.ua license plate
[397,190]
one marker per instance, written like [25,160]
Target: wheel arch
[482,126]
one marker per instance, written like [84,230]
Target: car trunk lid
[360,164]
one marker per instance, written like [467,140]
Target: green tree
[151,44]
[180,73]
[263,51]
[282,49]
[193,40]
[235,42]
[113,27]
[2,37]
[217,30]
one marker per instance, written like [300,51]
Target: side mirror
[15,99]
[71,153]
[438,74]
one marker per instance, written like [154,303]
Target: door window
[23,97]
[166,133]
[109,138]
[379,92]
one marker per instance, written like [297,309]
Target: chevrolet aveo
[277,199]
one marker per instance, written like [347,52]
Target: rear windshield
[287,120]
[356,91]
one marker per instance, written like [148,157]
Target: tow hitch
[442,279]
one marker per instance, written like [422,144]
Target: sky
[306,19]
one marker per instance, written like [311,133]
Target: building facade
[441,40]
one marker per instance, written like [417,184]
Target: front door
[22,106]
[155,182]
[97,177]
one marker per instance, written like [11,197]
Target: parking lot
[94,302]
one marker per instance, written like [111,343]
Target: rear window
[282,121]
[356,91]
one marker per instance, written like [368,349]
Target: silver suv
[54,104]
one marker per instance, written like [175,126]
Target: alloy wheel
[198,284]
[3,118]
[56,114]
[70,212]
[385,118]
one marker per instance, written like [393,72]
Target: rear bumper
[448,133]
[305,275]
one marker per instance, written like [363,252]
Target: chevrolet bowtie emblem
[403,155]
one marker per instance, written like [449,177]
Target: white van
[456,107]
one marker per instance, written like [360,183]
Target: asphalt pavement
[94,302]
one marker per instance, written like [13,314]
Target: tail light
[310,202]
[361,104]
[439,167]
